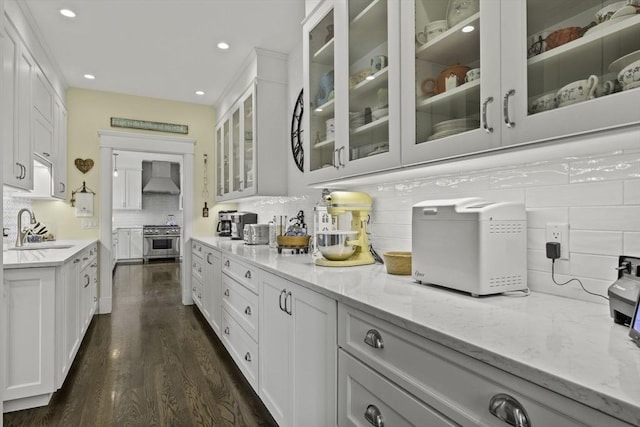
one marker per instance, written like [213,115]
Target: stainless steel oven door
[161,247]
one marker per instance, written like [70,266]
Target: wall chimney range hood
[161,181]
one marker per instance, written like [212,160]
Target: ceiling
[163,48]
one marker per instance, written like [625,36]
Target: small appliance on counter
[624,292]
[238,221]
[256,234]
[346,248]
[470,245]
[224,223]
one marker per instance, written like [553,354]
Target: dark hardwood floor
[152,362]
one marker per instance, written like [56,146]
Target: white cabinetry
[297,353]
[130,243]
[351,88]
[254,116]
[43,120]
[127,189]
[28,320]
[402,377]
[59,172]
[17,72]
[213,285]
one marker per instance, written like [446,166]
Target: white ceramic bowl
[333,244]
[629,77]
[545,102]
[577,91]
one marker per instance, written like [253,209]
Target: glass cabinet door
[368,79]
[235,149]
[320,99]
[219,162]
[248,163]
[225,158]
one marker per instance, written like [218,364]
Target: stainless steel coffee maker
[224,223]
[238,221]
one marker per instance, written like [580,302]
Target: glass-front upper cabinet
[248,174]
[453,75]
[235,149]
[581,62]
[219,161]
[226,187]
[319,99]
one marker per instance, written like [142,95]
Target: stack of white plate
[356,120]
[452,127]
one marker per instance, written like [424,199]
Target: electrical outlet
[559,232]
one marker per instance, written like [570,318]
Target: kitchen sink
[39,246]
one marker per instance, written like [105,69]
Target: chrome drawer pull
[227,263]
[247,275]
[226,330]
[208,260]
[282,307]
[226,293]
[374,339]
[247,357]
[374,416]
[509,410]
[247,311]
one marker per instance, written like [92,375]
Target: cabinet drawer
[196,292]
[197,268]
[242,348]
[241,304]
[242,272]
[454,384]
[196,250]
[366,394]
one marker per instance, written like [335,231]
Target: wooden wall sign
[146,125]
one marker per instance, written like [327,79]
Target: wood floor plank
[152,362]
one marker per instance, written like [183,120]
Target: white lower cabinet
[452,385]
[243,349]
[213,285]
[29,321]
[46,313]
[298,365]
[130,241]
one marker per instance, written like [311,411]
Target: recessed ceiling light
[68,13]
[89,76]
[468,29]
[200,92]
[223,46]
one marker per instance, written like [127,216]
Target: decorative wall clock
[297,150]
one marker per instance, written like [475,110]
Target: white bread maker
[470,245]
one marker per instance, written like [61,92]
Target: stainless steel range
[161,241]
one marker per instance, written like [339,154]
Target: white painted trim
[139,142]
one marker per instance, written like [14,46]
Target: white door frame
[146,143]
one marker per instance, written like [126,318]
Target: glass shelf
[324,144]
[460,97]
[453,46]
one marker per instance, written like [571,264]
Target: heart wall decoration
[84,165]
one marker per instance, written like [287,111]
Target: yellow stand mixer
[346,248]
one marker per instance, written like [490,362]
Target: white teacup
[435,28]
[473,74]
[545,102]
[629,77]
[577,91]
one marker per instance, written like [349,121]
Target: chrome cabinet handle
[340,151]
[505,108]
[374,339]
[199,269]
[374,416]
[509,410]
[226,293]
[88,280]
[63,187]
[226,330]
[485,125]
[227,263]
[287,309]
[77,260]
[335,164]
[247,275]
[19,173]
[247,311]
[247,357]
[208,255]
[46,154]
[283,292]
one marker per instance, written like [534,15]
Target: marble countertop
[568,346]
[43,257]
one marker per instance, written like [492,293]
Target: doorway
[141,143]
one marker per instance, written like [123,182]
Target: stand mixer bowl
[333,244]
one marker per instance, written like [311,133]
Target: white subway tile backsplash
[584,194]
[605,168]
[596,242]
[541,282]
[536,238]
[542,173]
[594,266]
[539,217]
[390,217]
[613,218]
[537,260]
[632,192]
[631,244]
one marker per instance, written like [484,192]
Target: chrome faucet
[22,234]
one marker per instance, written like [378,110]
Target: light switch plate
[559,232]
